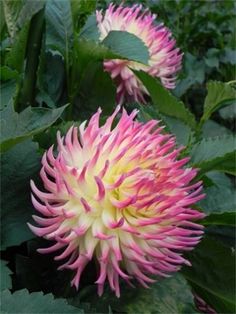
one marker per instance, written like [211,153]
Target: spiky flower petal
[164,59]
[120,196]
[202,306]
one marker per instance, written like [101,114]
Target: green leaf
[28,10]
[219,203]
[165,102]
[120,43]
[48,137]
[15,57]
[11,11]
[43,98]
[223,234]
[216,153]
[7,93]
[36,272]
[80,10]
[51,79]
[2,22]
[212,129]
[17,127]
[218,95]
[18,166]
[229,56]
[127,45]
[172,125]
[168,296]
[5,276]
[171,295]
[194,68]
[21,21]
[147,113]
[179,129]
[117,45]
[220,197]
[194,73]
[228,112]
[212,58]
[90,29]
[225,219]
[59,26]
[212,274]
[7,73]
[226,165]
[102,92]
[24,302]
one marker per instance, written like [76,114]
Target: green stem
[231,82]
[32,60]
[69,110]
[69,79]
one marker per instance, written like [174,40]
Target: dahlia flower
[164,59]
[121,196]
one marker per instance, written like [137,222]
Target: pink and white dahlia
[164,59]
[121,196]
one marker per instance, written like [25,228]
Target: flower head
[121,196]
[164,59]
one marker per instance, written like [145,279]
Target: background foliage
[52,77]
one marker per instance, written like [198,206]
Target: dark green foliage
[214,153]
[171,295]
[212,274]
[5,276]
[34,303]
[220,196]
[165,102]
[29,122]
[18,166]
[219,95]
[205,32]
[59,28]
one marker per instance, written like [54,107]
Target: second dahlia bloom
[121,196]
[164,59]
